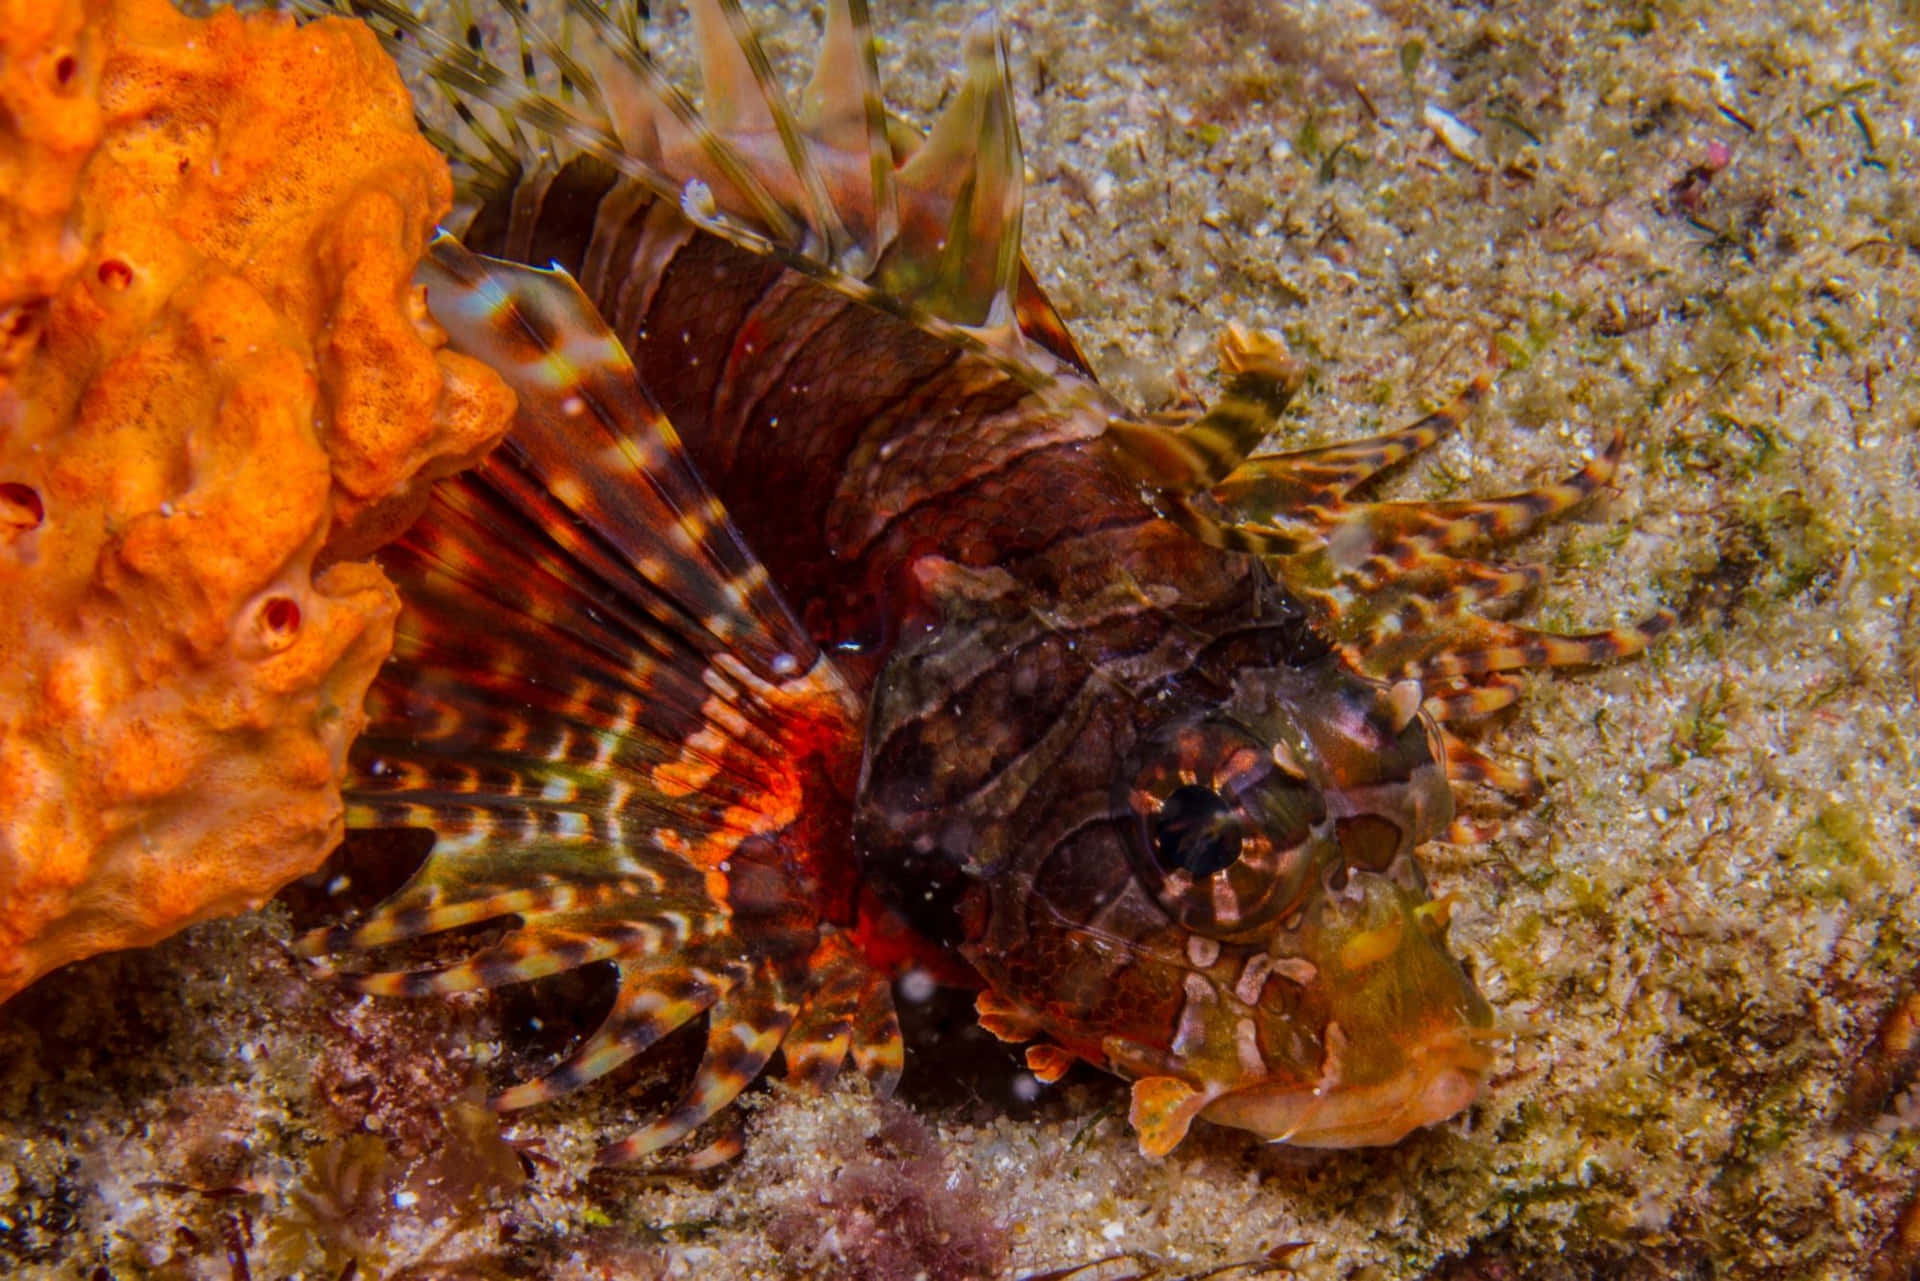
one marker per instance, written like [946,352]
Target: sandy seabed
[1696,221]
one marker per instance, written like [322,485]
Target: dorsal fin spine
[822,217]
[987,333]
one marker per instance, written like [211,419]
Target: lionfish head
[1239,925]
[1317,1002]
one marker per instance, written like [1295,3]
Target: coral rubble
[217,385]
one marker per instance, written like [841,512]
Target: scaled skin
[220,386]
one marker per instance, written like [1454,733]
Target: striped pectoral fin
[1391,583]
[1278,483]
[1466,763]
[526,954]
[1468,667]
[1460,701]
[596,450]
[653,1000]
[610,719]
[1400,540]
[745,1030]
[1390,580]
[848,1011]
[1183,458]
[1494,648]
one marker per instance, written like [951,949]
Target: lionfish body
[823,617]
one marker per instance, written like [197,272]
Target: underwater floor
[1699,221]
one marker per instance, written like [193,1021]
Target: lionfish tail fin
[837,190]
[1394,584]
[610,720]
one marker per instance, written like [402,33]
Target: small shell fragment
[1461,140]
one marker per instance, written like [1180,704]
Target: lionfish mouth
[1442,1077]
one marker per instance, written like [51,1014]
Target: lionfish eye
[1195,831]
[1224,839]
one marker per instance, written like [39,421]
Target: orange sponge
[217,384]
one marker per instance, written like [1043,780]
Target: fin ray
[1388,582]
[843,110]
[652,1001]
[961,200]
[744,1031]
[1266,485]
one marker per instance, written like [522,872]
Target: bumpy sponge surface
[217,387]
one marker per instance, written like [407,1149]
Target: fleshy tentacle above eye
[1391,583]
[616,729]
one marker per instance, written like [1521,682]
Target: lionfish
[822,618]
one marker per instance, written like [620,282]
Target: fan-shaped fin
[742,152]
[817,1050]
[745,105]
[736,81]
[961,199]
[843,111]
[620,735]
[1386,581]
[590,437]
[1455,526]
[468,76]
